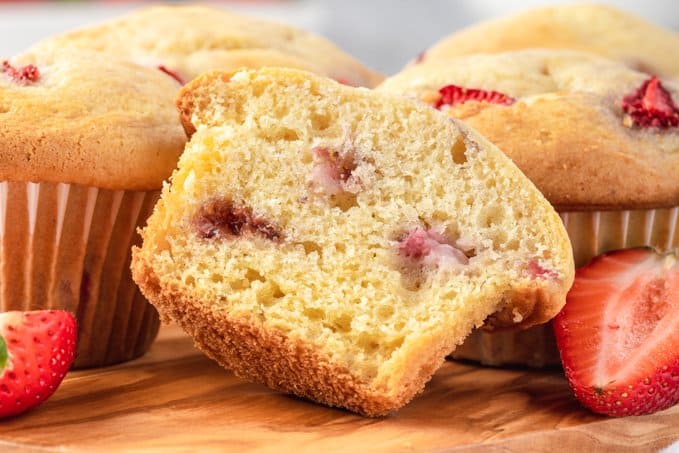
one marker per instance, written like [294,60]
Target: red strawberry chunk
[171,73]
[221,218]
[537,271]
[619,334]
[24,75]
[651,105]
[452,95]
[36,350]
[430,249]
[332,170]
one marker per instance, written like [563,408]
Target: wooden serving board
[175,399]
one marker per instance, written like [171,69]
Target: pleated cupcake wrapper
[591,233]
[65,246]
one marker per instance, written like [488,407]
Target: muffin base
[591,233]
[65,246]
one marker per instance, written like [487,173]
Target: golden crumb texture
[192,39]
[88,119]
[566,129]
[598,29]
[337,243]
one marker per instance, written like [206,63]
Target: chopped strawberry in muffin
[23,75]
[452,95]
[430,248]
[651,105]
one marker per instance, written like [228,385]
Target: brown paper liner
[591,233]
[66,246]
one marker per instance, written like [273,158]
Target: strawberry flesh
[36,351]
[24,75]
[618,334]
[452,95]
[430,249]
[332,170]
[651,105]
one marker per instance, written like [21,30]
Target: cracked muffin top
[597,29]
[190,40]
[87,118]
[589,132]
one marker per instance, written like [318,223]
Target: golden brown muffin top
[87,118]
[597,29]
[564,123]
[172,36]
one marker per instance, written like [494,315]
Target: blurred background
[385,34]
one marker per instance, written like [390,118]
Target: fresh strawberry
[619,333]
[23,75]
[36,350]
[651,105]
[171,73]
[454,95]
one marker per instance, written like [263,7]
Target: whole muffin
[86,141]
[190,40]
[601,141]
[597,29]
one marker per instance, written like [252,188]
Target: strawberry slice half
[36,350]
[651,105]
[618,333]
[452,95]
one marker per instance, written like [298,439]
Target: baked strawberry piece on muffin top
[186,40]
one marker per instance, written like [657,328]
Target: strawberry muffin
[598,29]
[86,141]
[348,267]
[600,140]
[188,40]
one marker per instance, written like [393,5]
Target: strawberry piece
[332,170]
[651,105]
[430,248]
[344,81]
[454,95]
[24,75]
[36,350]
[171,73]
[619,333]
[536,271]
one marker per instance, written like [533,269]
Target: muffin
[347,268]
[86,140]
[598,29]
[189,40]
[600,140]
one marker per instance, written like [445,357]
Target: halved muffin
[338,243]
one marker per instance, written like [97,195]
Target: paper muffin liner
[591,233]
[66,246]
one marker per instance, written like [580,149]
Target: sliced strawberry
[453,95]
[171,73]
[24,75]
[651,105]
[36,350]
[619,333]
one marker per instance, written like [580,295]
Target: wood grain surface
[174,399]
